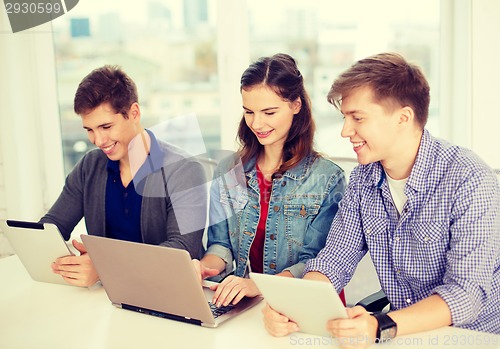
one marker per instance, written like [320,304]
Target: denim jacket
[302,205]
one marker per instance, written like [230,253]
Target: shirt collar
[153,162]
[297,172]
[423,162]
[419,170]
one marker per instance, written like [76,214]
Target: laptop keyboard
[219,311]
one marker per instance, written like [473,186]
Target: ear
[296,105]
[406,116]
[135,112]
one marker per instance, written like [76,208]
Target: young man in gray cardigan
[132,187]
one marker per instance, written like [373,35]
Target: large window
[168,47]
[326,37]
[171,49]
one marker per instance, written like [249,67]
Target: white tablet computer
[308,303]
[37,246]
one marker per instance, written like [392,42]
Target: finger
[228,293]
[83,277]
[68,268]
[235,295]
[276,324]
[209,272]
[197,268]
[74,281]
[220,289]
[79,246]
[281,330]
[81,264]
[340,332]
[341,324]
[356,311]
[273,315]
[217,290]
[69,274]
[68,260]
[238,298]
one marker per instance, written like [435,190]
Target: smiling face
[110,131]
[268,115]
[372,128]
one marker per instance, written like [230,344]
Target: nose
[347,129]
[99,138]
[257,121]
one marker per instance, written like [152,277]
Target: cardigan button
[276,208]
[272,237]
[272,266]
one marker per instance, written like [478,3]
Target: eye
[106,127]
[248,112]
[270,113]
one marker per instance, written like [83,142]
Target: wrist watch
[387,328]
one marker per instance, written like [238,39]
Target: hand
[277,324]
[358,331]
[203,271]
[76,270]
[232,290]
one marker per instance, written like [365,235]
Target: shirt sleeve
[474,245]
[68,209]
[219,243]
[345,245]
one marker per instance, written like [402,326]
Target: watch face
[388,333]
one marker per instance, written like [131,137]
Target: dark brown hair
[392,80]
[108,84]
[280,73]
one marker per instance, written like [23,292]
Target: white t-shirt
[397,189]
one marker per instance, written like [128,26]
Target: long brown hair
[281,74]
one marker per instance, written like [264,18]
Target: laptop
[37,246]
[157,280]
[308,303]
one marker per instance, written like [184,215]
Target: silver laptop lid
[154,278]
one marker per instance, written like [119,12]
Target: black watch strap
[386,328]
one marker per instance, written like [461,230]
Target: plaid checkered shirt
[446,240]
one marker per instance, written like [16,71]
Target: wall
[5,248]
[3,201]
[31,170]
[485,77]
[30,140]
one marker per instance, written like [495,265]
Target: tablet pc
[37,246]
[309,303]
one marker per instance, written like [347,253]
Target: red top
[257,248]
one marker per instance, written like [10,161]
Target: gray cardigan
[174,203]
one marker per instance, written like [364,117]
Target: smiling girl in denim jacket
[271,203]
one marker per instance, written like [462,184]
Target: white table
[39,315]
